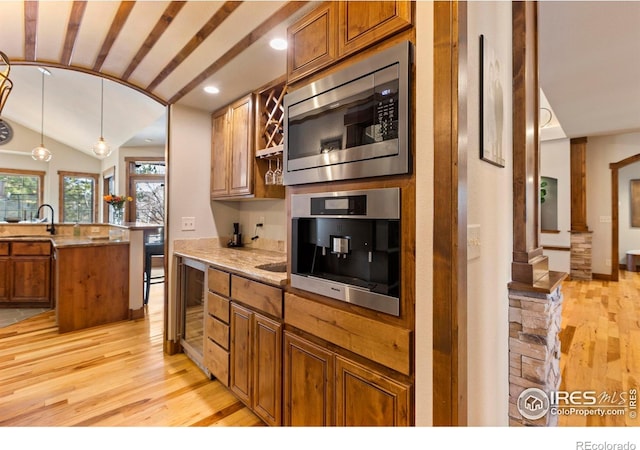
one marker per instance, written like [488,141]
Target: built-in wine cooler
[192,310]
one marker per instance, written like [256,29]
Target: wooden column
[579,184]
[450,223]
[529,265]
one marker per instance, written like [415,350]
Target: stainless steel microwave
[351,124]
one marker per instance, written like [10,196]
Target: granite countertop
[68,241]
[241,261]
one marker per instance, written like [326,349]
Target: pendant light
[42,153]
[101,148]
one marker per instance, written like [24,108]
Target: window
[78,197]
[146,187]
[20,193]
[108,187]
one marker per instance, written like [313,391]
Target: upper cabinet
[244,135]
[232,150]
[335,30]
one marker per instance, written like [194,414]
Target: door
[308,383]
[267,360]
[219,155]
[366,398]
[241,367]
[241,123]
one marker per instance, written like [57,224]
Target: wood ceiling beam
[75,19]
[165,20]
[276,18]
[214,22]
[122,15]
[30,30]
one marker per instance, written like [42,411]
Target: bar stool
[151,249]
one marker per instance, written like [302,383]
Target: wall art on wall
[491,106]
[635,202]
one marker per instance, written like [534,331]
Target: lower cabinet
[25,274]
[322,388]
[256,361]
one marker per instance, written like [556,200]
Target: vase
[118,214]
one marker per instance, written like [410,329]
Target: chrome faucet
[51,228]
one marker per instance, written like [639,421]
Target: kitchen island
[85,278]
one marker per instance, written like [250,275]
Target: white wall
[424,214]
[629,237]
[601,151]
[64,158]
[490,206]
[555,162]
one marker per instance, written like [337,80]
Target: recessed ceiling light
[148,140]
[44,70]
[278,44]
[211,90]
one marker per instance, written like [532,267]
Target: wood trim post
[579,185]
[450,224]
[529,265]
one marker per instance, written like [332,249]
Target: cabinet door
[312,42]
[219,155]
[241,367]
[5,266]
[367,398]
[31,281]
[241,139]
[363,23]
[267,360]
[308,383]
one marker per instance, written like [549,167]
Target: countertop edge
[277,279]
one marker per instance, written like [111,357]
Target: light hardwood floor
[113,375]
[600,342]
[117,375]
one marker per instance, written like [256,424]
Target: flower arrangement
[117,201]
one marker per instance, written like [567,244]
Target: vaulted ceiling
[151,54]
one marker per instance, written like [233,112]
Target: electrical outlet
[261,220]
[607,262]
[188,224]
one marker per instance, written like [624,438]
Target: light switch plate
[473,242]
[188,223]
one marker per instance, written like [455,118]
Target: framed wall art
[634,195]
[491,106]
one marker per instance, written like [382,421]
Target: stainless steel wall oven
[346,245]
[351,124]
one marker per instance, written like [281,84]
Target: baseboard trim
[602,276]
[136,313]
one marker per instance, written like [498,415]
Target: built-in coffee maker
[346,245]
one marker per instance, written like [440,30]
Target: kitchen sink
[273,267]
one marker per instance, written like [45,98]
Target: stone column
[581,255]
[534,348]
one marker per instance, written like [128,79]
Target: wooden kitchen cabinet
[235,173]
[232,150]
[308,383]
[322,388]
[256,361]
[335,30]
[92,285]
[364,23]
[312,42]
[365,398]
[25,274]
[217,328]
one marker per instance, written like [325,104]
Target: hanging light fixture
[42,153]
[5,82]
[101,148]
